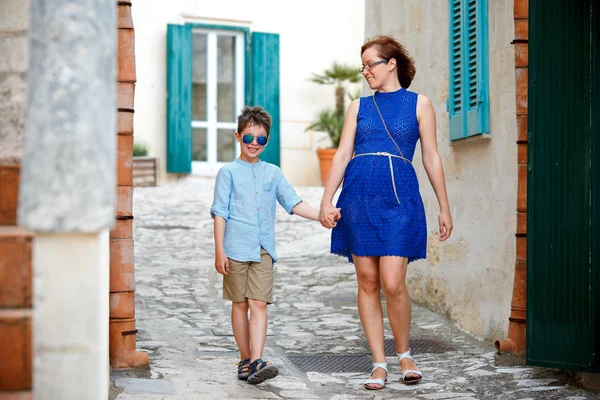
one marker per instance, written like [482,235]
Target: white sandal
[408,371]
[381,382]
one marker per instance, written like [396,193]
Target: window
[468,101]
[212,72]
[217,97]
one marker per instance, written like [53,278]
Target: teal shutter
[468,103]
[265,87]
[478,120]
[179,99]
[455,103]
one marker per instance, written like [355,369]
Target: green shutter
[477,66]
[455,103]
[265,87]
[179,99]
[468,103]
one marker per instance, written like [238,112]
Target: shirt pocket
[268,185]
[268,192]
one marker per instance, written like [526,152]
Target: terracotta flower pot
[325,158]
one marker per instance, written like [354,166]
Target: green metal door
[563,249]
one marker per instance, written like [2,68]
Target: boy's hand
[221,263]
[333,216]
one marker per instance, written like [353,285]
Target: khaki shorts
[249,280]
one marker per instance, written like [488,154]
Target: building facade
[198,66]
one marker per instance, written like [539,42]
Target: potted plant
[332,120]
[140,149]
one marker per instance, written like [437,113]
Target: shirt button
[258,208]
[254,176]
[257,193]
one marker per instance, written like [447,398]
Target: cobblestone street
[314,334]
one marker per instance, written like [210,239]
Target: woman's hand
[325,215]
[445,221]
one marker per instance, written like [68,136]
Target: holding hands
[328,215]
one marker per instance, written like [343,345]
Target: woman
[383,226]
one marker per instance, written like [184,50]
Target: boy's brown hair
[389,48]
[254,116]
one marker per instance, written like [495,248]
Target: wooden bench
[145,171]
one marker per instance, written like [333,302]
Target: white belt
[389,156]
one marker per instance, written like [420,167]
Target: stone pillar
[122,277]
[67,192]
[15,242]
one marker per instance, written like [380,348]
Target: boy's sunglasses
[261,140]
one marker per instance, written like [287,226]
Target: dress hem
[411,258]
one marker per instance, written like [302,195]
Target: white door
[217,98]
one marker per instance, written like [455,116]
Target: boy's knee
[257,305]
[240,305]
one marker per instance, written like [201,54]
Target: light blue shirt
[245,197]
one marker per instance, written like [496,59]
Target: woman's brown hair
[389,48]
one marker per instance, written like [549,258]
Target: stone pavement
[314,332]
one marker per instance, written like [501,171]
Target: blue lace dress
[382,209]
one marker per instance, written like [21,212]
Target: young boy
[244,220]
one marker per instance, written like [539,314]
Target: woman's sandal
[260,371]
[243,369]
[381,382]
[408,381]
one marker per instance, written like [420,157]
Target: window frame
[211,166]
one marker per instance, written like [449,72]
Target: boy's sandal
[260,371]
[380,382]
[243,369]
[411,380]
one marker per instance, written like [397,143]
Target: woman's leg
[240,325]
[369,309]
[393,281]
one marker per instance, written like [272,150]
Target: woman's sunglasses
[261,140]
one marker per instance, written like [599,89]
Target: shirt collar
[241,162]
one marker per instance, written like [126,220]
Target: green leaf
[331,122]
[140,150]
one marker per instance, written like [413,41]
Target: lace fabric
[381,216]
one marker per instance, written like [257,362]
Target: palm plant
[332,121]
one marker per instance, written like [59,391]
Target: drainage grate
[417,345]
[344,299]
[339,298]
[229,332]
[327,363]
